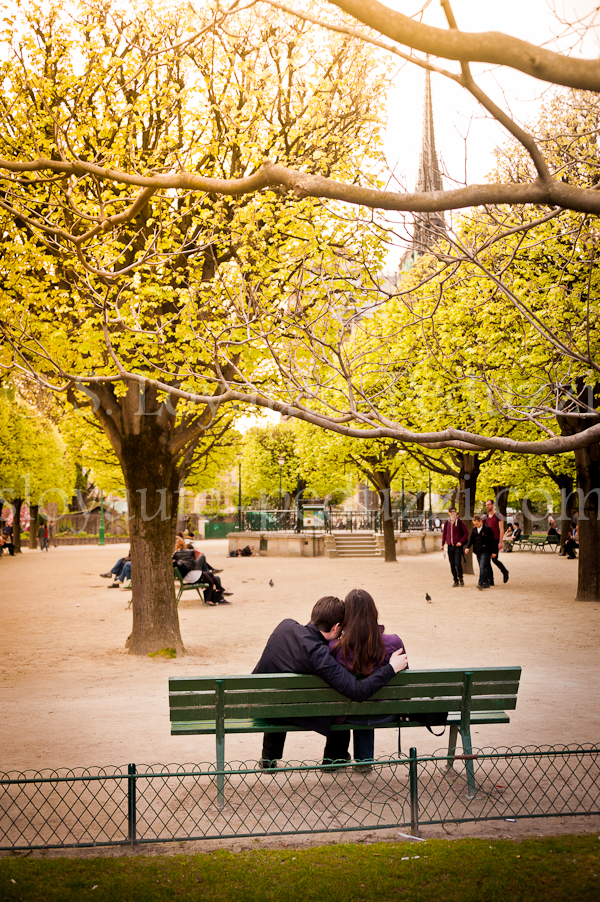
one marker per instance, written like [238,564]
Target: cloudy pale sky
[457,117]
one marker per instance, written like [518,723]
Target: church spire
[428,227]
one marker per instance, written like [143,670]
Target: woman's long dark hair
[361,642]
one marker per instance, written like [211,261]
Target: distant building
[428,227]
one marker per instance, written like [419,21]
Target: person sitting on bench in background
[120,574]
[6,544]
[293,648]
[187,561]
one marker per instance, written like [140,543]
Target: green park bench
[537,543]
[184,587]
[220,705]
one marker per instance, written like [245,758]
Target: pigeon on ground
[427,596]
[271,583]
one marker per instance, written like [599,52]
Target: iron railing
[338,521]
[144,804]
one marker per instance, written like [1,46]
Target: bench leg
[468,750]
[452,744]
[220,740]
[399,740]
[220,776]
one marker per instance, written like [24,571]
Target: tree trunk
[152,482]
[527,521]
[587,461]
[501,500]
[389,537]
[33,525]
[587,464]
[566,506]
[16,506]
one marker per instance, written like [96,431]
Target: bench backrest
[292,695]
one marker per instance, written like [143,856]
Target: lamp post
[430,511]
[239,495]
[101,540]
[280,461]
[402,516]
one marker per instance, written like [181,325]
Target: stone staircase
[356,545]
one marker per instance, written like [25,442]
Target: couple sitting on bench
[194,568]
[342,641]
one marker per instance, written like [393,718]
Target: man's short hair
[450,509]
[478,518]
[327,612]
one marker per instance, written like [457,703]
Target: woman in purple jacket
[362,648]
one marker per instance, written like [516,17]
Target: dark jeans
[273,743]
[364,740]
[484,567]
[116,570]
[455,556]
[336,747]
[570,546]
[495,560]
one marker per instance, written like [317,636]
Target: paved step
[356,546]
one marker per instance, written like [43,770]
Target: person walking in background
[51,533]
[455,536]
[483,543]
[497,526]
[43,536]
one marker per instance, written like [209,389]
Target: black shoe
[334,763]
[107,575]
[455,584]
[267,764]
[506,577]
[461,582]
[363,768]
[222,601]
[227,593]
[113,586]
[214,570]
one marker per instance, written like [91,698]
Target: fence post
[131,803]
[220,740]
[414,792]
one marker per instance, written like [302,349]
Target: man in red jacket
[455,536]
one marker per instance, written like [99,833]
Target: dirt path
[72,696]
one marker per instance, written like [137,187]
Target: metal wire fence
[160,803]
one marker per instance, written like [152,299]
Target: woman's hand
[399,660]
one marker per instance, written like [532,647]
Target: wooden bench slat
[325,694]
[261,725]
[300,681]
[347,709]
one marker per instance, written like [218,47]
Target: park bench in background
[183,587]
[537,543]
[220,705]
[198,587]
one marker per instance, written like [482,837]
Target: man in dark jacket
[455,535]
[483,543]
[293,648]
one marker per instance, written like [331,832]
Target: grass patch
[163,653]
[550,869]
